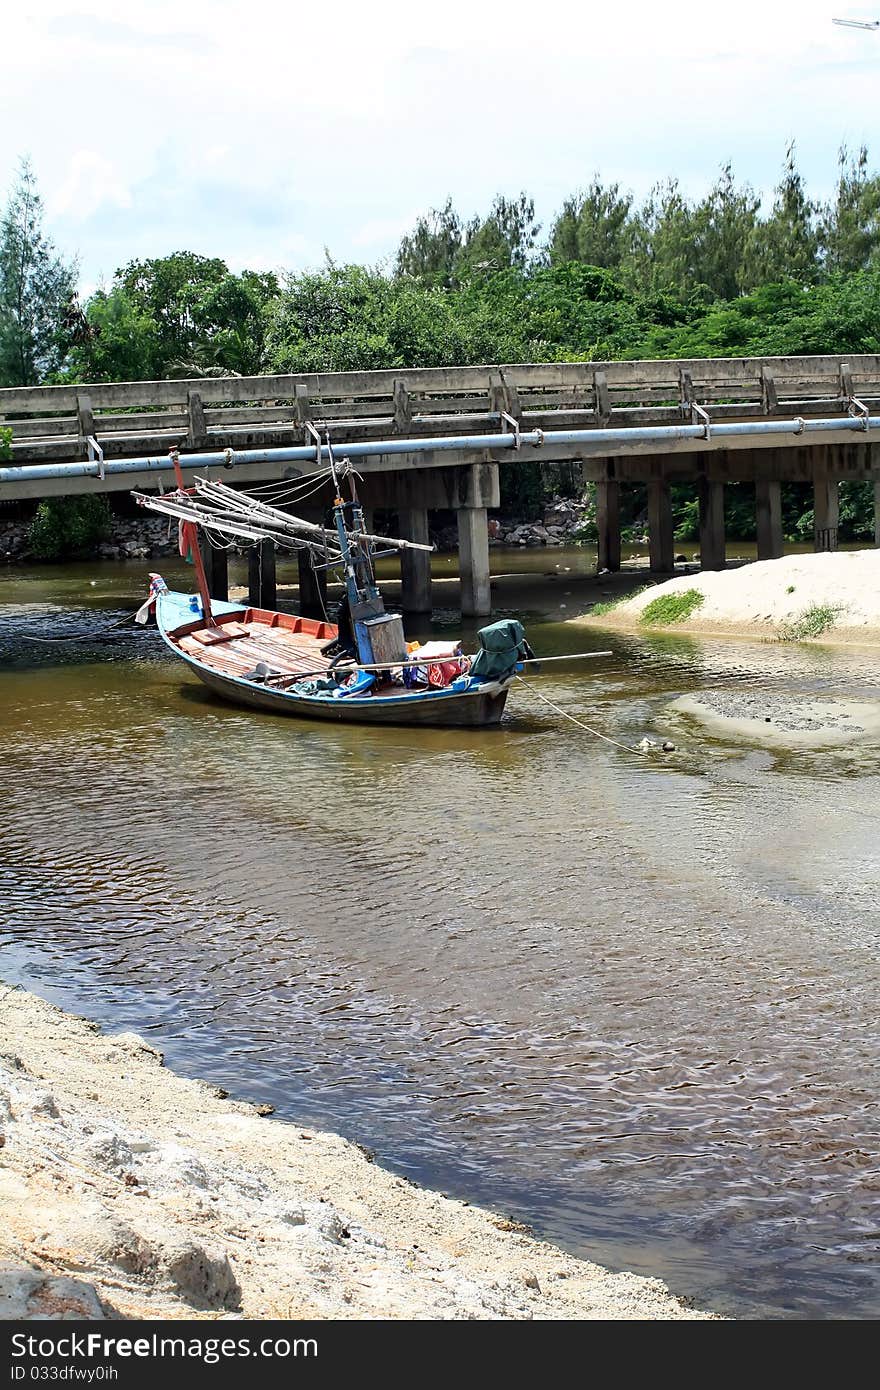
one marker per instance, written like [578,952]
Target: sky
[267,133]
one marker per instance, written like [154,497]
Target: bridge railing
[55,422]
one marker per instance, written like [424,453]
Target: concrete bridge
[704,421]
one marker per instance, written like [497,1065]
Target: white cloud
[90,183]
[270,134]
[381,231]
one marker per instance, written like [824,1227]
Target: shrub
[69,526]
[671,608]
[5,443]
[811,623]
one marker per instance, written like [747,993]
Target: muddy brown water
[632,1001]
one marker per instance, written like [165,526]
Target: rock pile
[13,540]
[562,521]
[139,538]
[131,538]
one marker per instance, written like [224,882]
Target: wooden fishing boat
[366,672]
[276,661]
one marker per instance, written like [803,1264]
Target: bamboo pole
[350,666]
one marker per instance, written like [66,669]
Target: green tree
[119,341]
[429,252]
[506,239]
[331,320]
[662,256]
[348,318]
[786,244]
[230,321]
[849,230]
[170,290]
[723,226]
[695,252]
[594,227]
[65,526]
[37,289]
[178,315]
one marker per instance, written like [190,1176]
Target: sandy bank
[770,598]
[128,1191]
[786,721]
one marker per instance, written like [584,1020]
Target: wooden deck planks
[293,654]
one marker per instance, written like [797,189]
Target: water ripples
[628,1000]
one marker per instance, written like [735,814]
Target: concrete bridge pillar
[312,584]
[661,540]
[312,587]
[216,569]
[712,542]
[262,590]
[415,565]
[768,514]
[473,561]
[826,512]
[478,489]
[608,524]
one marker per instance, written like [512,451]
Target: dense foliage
[69,526]
[671,277]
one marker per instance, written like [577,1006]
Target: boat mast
[364,599]
[190,535]
[348,564]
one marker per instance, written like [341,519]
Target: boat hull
[443,711]
[293,645]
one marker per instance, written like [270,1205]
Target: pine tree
[428,252]
[593,227]
[850,225]
[507,238]
[786,245]
[723,225]
[37,290]
[662,257]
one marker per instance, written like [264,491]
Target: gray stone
[203,1277]
[108,1151]
[28,1294]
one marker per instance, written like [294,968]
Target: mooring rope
[627,748]
[79,636]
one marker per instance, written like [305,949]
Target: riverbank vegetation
[815,620]
[718,276]
[671,608]
[69,527]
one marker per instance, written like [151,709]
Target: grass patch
[598,609]
[671,608]
[811,623]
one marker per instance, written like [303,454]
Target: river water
[630,1000]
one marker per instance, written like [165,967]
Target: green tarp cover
[501,647]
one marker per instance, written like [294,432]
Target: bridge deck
[148,417]
[138,420]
